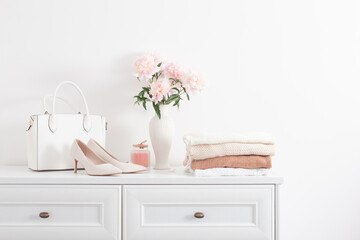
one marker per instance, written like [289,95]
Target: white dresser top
[23,175]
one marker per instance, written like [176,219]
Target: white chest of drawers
[159,205]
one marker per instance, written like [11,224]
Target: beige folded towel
[247,161]
[204,151]
[211,138]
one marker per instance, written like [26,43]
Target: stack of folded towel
[226,155]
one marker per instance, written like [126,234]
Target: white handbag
[50,136]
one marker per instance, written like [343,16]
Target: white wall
[286,67]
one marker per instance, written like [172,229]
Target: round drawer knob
[199,215]
[44,215]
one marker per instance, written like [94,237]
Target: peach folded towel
[205,151]
[246,161]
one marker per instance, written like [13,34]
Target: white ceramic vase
[162,134]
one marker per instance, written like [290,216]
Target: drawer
[198,212]
[67,212]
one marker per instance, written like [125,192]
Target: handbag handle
[52,117]
[67,102]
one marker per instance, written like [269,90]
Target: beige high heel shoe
[93,164]
[106,156]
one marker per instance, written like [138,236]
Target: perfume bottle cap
[141,145]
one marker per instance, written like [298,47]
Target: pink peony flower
[193,82]
[146,66]
[160,90]
[173,70]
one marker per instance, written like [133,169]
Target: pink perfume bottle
[140,154]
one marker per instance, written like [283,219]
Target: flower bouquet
[166,83]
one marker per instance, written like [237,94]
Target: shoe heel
[76,164]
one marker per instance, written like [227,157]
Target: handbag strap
[52,117]
[67,102]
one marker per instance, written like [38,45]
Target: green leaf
[147,90]
[159,65]
[144,104]
[174,88]
[171,98]
[178,81]
[188,97]
[157,110]
[177,100]
[138,98]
